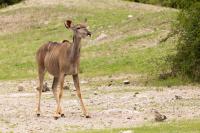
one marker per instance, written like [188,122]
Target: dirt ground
[110,106]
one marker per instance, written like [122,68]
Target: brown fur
[61,59]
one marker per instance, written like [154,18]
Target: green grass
[122,52]
[189,126]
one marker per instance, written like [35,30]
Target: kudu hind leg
[41,73]
[61,94]
[77,86]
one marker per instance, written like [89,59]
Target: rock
[45,87]
[128,118]
[159,117]
[46,22]
[126,82]
[95,93]
[169,86]
[137,93]
[145,118]
[20,88]
[130,16]
[109,84]
[102,36]
[83,82]
[66,87]
[178,97]
[127,131]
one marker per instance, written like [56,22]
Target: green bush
[169,3]
[187,60]
[8,2]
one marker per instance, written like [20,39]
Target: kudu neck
[75,48]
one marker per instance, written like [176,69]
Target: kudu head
[80,30]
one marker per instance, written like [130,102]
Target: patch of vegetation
[4,3]
[169,3]
[189,126]
[186,61]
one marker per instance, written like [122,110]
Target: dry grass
[37,13]
[102,4]
[28,18]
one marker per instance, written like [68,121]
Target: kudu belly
[56,66]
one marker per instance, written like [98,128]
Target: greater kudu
[61,59]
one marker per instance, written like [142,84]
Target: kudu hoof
[62,115]
[56,117]
[86,116]
[38,114]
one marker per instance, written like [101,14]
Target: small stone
[45,87]
[137,93]
[66,87]
[20,88]
[126,82]
[145,118]
[127,131]
[169,86]
[130,16]
[46,22]
[128,118]
[109,84]
[178,97]
[159,117]
[102,36]
[83,82]
[95,93]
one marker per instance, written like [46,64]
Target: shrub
[169,3]
[8,2]
[187,59]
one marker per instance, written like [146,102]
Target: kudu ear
[68,24]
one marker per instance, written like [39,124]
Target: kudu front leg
[77,86]
[55,93]
[58,93]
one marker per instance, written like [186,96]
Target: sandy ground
[109,106]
